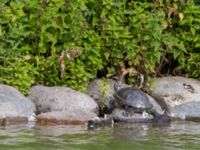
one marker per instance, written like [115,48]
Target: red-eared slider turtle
[133,100]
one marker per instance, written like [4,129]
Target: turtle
[133,100]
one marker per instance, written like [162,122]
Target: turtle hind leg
[154,113]
[160,118]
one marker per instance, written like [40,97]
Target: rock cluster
[178,97]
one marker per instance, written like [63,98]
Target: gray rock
[65,117]
[156,105]
[102,91]
[179,94]
[62,104]
[119,116]
[188,111]
[14,104]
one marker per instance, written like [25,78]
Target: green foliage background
[155,36]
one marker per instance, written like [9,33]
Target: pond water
[174,136]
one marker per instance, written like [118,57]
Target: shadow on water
[174,136]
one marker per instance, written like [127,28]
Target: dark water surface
[175,136]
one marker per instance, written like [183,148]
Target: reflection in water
[132,132]
[175,136]
[59,130]
[178,135]
[183,135]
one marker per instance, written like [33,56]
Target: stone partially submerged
[187,111]
[118,116]
[14,106]
[65,117]
[180,95]
[62,105]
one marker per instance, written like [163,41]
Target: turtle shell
[134,98]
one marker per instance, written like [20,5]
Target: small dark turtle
[96,123]
[133,99]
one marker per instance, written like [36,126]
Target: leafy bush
[69,42]
[42,30]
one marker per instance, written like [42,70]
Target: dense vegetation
[69,42]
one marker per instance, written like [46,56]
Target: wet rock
[187,111]
[119,115]
[62,105]
[156,106]
[15,107]
[65,117]
[180,95]
[13,120]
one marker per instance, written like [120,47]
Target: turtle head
[117,86]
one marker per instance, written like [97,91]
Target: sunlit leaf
[181,16]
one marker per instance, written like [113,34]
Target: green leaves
[115,38]
[18,73]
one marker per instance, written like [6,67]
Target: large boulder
[180,95]
[62,105]
[15,107]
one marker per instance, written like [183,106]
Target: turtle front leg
[145,114]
